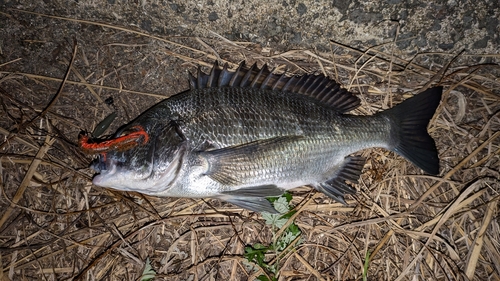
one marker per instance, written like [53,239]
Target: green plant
[366,266]
[148,273]
[257,253]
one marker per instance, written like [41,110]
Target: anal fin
[256,204]
[256,191]
[336,187]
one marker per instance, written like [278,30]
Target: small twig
[27,178]
[9,62]
[491,210]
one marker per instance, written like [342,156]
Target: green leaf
[263,278]
[293,228]
[289,214]
[259,246]
[256,253]
[288,196]
[148,273]
[272,199]
[281,205]
[366,266]
[272,268]
[274,219]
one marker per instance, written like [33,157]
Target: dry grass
[55,225]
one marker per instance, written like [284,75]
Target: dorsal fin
[318,87]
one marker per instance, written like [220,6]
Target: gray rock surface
[418,26]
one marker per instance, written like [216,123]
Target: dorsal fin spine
[223,75]
[267,79]
[319,84]
[279,80]
[323,89]
[309,84]
[288,83]
[232,82]
[318,87]
[211,78]
[247,76]
[300,84]
[330,89]
[199,78]
[192,82]
[255,80]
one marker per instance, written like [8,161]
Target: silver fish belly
[246,135]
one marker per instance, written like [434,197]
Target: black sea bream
[249,134]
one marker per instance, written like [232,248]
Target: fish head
[148,168]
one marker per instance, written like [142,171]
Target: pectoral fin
[236,165]
[336,187]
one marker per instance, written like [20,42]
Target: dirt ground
[66,65]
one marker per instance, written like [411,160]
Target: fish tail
[409,137]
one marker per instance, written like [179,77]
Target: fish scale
[247,134]
[259,117]
[313,156]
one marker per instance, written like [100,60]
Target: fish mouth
[99,164]
[105,168]
[111,172]
[117,177]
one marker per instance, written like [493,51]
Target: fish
[244,135]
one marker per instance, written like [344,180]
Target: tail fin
[409,137]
